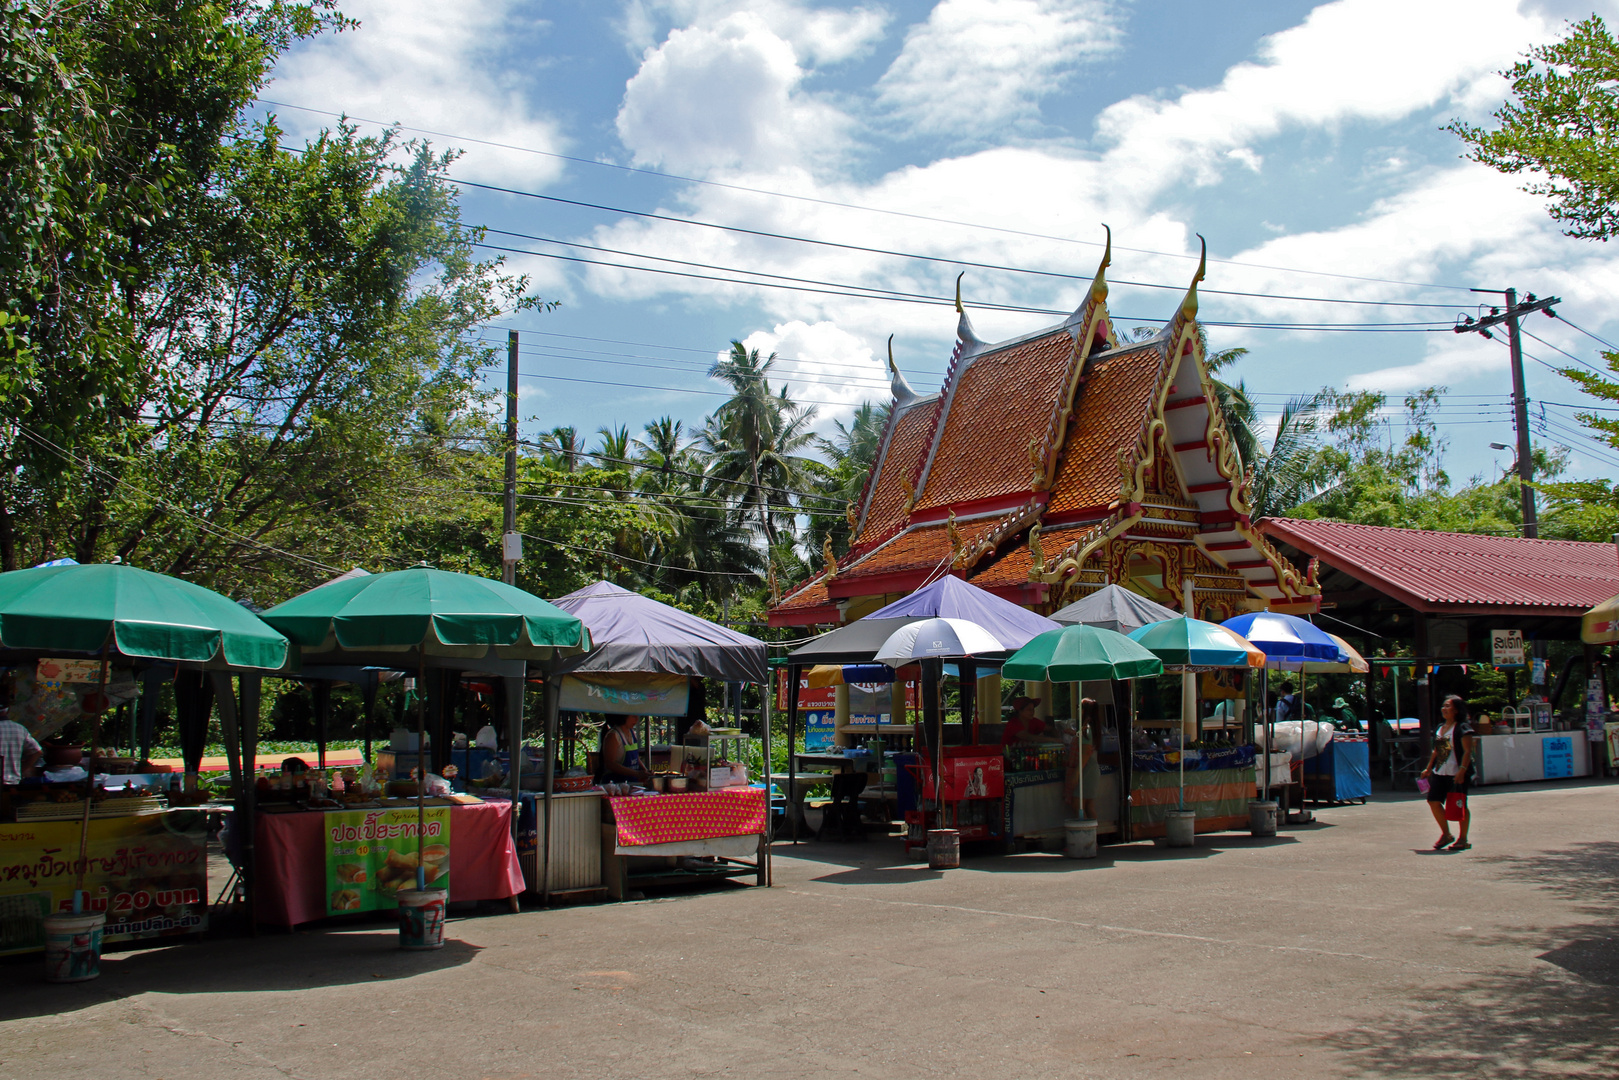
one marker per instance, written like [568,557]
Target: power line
[1587,333]
[640,562]
[1564,351]
[888,212]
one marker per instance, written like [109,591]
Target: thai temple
[1052,464]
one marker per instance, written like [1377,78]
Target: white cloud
[977,65]
[819,36]
[423,63]
[725,94]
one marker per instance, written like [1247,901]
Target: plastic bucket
[73,947]
[421,918]
[1181,827]
[944,849]
[1262,817]
[1080,839]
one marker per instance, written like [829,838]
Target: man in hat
[1023,726]
[1348,719]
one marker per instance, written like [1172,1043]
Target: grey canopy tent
[632,633]
[1114,608]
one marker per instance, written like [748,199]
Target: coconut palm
[753,440]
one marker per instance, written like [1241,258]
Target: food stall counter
[656,838]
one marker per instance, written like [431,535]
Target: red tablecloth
[291,860]
[692,815]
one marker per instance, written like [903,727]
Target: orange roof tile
[926,547]
[1113,405]
[809,595]
[906,445]
[1001,400]
[1013,567]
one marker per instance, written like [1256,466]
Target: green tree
[754,443]
[1562,128]
[850,453]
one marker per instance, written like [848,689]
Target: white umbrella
[936,638]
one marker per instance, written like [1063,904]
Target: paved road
[1345,949]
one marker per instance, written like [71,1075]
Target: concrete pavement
[1343,949]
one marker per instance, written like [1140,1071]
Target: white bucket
[73,947]
[1181,827]
[1262,817]
[1080,841]
[421,918]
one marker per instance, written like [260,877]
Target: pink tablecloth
[291,860]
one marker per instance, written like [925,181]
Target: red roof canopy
[1443,572]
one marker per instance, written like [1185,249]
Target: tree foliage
[1562,128]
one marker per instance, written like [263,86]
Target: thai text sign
[1506,646]
[372,854]
[627,694]
[147,872]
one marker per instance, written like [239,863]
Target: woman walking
[1448,768]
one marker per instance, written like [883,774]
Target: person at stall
[1348,718]
[19,750]
[1082,761]
[620,757]
[1023,726]
[1447,772]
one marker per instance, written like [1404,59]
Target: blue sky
[1303,140]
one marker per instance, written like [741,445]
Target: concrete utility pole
[1520,398]
[511,544]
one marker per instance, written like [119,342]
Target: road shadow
[243,965]
[1557,1020]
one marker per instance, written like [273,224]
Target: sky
[883,144]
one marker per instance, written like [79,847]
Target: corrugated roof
[1113,406]
[1002,400]
[1430,570]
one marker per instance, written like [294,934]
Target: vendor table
[1034,805]
[684,837]
[575,863]
[801,783]
[1538,755]
[290,883]
[1219,797]
[1341,773]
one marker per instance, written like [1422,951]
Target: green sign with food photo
[372,854]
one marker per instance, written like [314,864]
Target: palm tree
[567,447]
[752,442]
[664,450]
[850,452]
[614,449]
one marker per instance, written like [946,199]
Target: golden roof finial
[829,561]
[956,549]
[1099,283]
[1037,551]
[959,309]
[851,514]
[1189,305]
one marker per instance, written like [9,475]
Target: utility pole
[1520,398]
[511,544]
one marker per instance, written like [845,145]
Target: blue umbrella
[1285,638]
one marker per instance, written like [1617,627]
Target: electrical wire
[639,562]
[1565,352]
[1587,333]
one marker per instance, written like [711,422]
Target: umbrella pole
[792,742]
[421,768]
[79,899]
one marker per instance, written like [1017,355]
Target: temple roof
[1114,404]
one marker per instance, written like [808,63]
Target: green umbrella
[1080,654]
[1193,643]
[435,612]
[84,609]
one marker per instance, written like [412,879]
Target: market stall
[700,818]
[369,841]
[1222,781]
[120,854]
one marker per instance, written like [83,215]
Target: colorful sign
[1506,647]
[147,872]
[820,730]
[1558,757]
[372,854]
[625,694]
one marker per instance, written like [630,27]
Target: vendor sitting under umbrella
[1025,727]
[620,757]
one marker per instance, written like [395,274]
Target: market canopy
[84,608]
[1192,643]
[1286,640]
[1115,608]
[634,633]
[429,612]
[1600,625]
[1081,654]
[949,598]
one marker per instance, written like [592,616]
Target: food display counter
[1532,755]
[311,864]
[146,870]
[1219,785]
[650,838]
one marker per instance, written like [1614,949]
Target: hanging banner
[147,872]
[626,694]
[1222,683]
[371,855]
